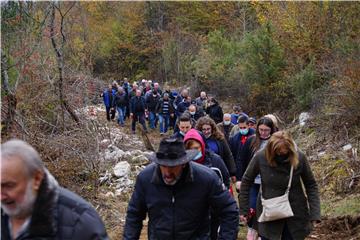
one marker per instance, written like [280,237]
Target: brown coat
[225,130]
[274,182]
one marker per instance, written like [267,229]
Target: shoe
[161,134]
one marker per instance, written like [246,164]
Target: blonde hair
[280,139]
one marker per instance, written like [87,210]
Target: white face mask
[192,113]
[227,122]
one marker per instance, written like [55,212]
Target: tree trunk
[11,97]
[60,61]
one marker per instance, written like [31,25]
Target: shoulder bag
[278,207]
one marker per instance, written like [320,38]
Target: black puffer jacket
[59,214]
[180,211]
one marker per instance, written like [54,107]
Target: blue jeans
[164,121]
[254,191]
[121,114]
[152,119]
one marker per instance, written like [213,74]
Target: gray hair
[27,154]
[227,115]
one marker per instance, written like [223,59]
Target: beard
[24,208]
[173,181]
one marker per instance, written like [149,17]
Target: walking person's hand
[237,186]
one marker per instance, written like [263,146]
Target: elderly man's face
[18,190]
[227,118]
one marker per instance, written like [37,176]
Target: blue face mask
[198,156]
[244,131]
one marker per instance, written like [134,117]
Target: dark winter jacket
[151,102]
[178,99]
[180,211]
[226,155]
[209,158]
[225,129]
[274,181]
[177,135]
[237,144]
[59,214]
[120,100]
[215,112]
[159,107]
[137,105]
[246,154]
[182,107]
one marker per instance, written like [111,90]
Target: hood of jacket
[195,135]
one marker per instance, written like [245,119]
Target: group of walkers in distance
[186,190]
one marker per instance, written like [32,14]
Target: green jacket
[274,181]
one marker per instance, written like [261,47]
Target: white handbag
[278,207]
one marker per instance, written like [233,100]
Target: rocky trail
[123,156]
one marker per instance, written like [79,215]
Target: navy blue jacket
[215,161]
[180,211]
[182,107]
[225,154]
[59,214]
[237,147]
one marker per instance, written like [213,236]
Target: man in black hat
[177,195]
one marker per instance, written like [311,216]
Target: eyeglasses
[206,129]
[264,130]
[162,155]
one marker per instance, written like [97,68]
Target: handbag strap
[289,184]
[290,179]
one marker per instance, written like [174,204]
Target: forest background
[281,57]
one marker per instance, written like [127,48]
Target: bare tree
[60,58]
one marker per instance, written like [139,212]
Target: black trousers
[110,112]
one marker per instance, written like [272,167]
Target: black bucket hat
[172,153]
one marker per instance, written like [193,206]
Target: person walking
[137,111]
[151,102]
[120,102]
[214,110]
[216,142]
[177,194]
[164,110]
[226,126]
[34,206]
[284,169]
[237,143]
[253,144]
[107,96]
[194,140]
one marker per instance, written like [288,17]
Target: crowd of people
[186,190]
